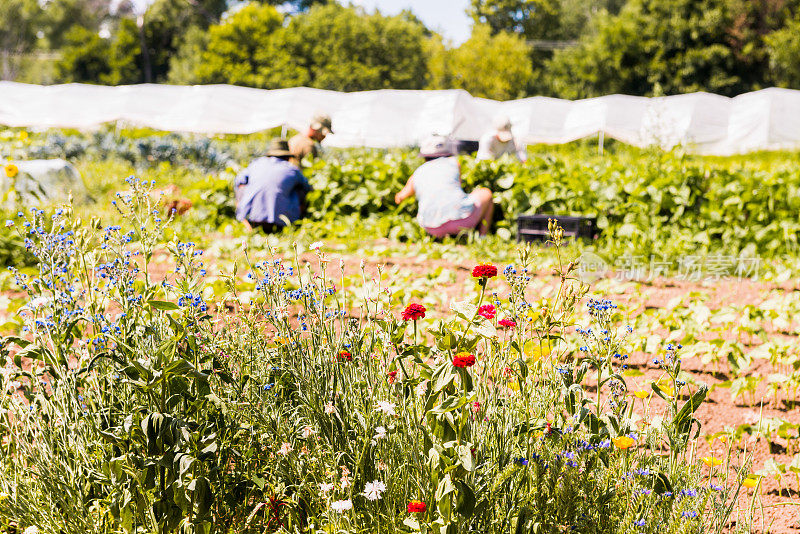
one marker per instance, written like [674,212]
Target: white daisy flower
[386,407]
[341,506]
[374,489]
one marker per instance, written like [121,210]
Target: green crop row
[665,204]
[648,204]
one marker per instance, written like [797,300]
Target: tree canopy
[490,66]
[675,46]
[563,48]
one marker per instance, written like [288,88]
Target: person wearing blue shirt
[271,191]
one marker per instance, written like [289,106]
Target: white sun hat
[502,126]
[437,146]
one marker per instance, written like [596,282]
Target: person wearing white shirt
[499,141]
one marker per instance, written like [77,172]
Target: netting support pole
[600,139]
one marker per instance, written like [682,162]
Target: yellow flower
[282,340]
[11,170]
[750,482]
[535,351]
[3,496]
[623,442]
[710,461]
[641,394]
[23,135]
[667,390]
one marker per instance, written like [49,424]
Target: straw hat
[279,148]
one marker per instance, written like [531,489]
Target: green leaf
[466,310]
[443,376]
[202,494]
[465,503]
[684,416]
[163,305]
[452,403]
[21,342]
[465,458]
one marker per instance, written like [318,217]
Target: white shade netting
[763,120]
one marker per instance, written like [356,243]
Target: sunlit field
[166,370]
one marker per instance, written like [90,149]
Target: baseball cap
[322,122]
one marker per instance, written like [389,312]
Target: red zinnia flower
[464,359]
[487,311]
[392,376]
[345,356]
[484,270]
[413,312]
[507,323]
[416,507]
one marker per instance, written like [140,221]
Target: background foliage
[564,48]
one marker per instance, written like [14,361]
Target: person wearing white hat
[444,207]
[499,141]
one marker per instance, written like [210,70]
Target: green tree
[533,19]
[19,24]
[611,61]
[678,46]
[783,49]
[345,49]
[84,56]
[183,66]
[577,15]
[164,26]
[60,16]
[245,50]
[489,66]
[125,55]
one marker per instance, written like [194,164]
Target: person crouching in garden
[444,207]
[271,191]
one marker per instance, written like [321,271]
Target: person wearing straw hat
[271,191]
[307,144]
[499,141]
[444,207]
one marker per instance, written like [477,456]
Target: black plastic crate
[534,227]
[464,146]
